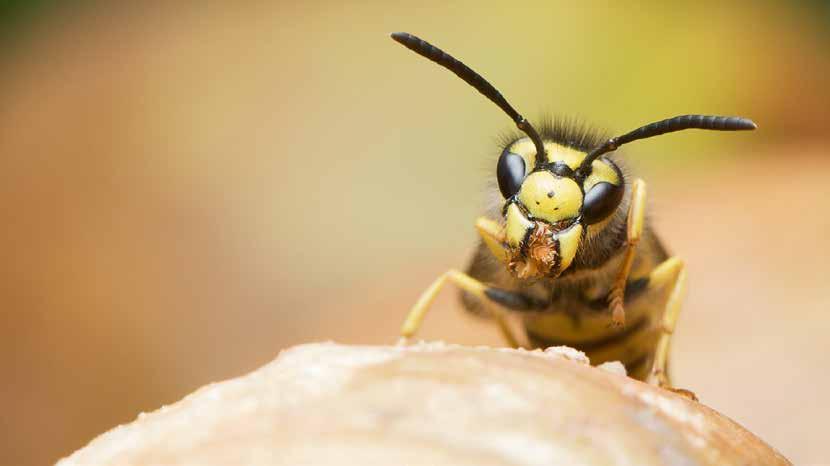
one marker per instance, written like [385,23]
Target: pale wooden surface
[430,404]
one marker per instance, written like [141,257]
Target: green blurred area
[189,187]
[15,15]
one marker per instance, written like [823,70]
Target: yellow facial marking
[568,244]
[571,157]
[556,153]
[550,198]
[601,171]
[517,226]
[526,149]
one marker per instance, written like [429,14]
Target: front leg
[489,294]
[636,215]
[492,235]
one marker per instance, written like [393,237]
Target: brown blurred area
[186,189]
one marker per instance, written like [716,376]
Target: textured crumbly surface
[430,404]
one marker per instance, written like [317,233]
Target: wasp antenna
[669,125]
[431,52]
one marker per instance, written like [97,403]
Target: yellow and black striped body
[573,308]
[578,313]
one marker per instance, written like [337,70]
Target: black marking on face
[525,240]
[557,266]
[563,170]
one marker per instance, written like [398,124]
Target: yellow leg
[636,214]
[506,331]
[465,282]
[493,236]
[419,310]
[672,272]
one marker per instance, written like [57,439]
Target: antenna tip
[400,36]
[745,124]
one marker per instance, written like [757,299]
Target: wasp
[568,247]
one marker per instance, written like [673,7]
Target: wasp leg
[671,272]
[493,236]
[506,298]
[636,213]
[504,328]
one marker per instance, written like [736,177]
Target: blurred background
[187,188]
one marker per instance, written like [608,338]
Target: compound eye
[601,201]
[510,173]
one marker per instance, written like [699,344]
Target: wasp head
[549,206]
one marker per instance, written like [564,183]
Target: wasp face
[549,207]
